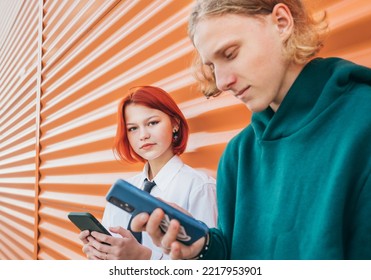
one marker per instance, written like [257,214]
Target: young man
[295,183]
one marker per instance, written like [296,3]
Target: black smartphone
[85,220]
[134,200]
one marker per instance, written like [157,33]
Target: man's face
[246,56]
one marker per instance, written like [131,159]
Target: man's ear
[282,18]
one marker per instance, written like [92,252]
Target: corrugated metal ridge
[350,35]
[15,55]
[20,91]
[85,179]
[10,11]
[128,51]
[56,24]
[14,34]
[99,134]
[141,69]
[20,146]
[196,107]
[76,36]
[349,15]
[177,81]
[9,126]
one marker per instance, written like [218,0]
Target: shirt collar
[166,174]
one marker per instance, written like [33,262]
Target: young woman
[152,129]
[295,183]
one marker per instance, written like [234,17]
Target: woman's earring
[175,135]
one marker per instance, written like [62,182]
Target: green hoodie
[296,184]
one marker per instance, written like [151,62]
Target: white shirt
[176,182]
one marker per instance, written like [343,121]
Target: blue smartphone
[134,200]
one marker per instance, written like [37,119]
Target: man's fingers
[138,223]
[176,253]
[170,235]
[153,226]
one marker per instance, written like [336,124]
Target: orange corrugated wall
[63,67]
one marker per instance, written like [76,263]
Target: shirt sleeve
[202,204]
[159,256]
[106,216]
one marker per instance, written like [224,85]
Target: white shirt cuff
[156,255]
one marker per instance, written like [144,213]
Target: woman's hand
[168,243]
[104,247]
[83,236]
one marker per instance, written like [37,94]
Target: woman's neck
[155,165]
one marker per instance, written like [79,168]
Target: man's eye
[229,55]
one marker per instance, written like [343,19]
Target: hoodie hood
[319,85]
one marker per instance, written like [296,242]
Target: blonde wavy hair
[303,44]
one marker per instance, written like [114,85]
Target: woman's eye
[153,123]
[131,128]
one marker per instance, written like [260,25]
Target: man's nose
[224,79]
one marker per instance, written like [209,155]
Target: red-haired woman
[152,129]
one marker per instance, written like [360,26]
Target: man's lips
[241,92]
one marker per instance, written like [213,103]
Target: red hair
[155,98]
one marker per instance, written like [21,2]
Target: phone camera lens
[128,208]
[113,200]
[123,205]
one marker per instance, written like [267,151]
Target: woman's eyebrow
[145,120]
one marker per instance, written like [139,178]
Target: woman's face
[246,56]
[150,133]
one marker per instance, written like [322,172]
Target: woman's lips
[147,146]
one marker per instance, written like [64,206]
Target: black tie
[148,186]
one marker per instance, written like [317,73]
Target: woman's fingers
[83,236]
